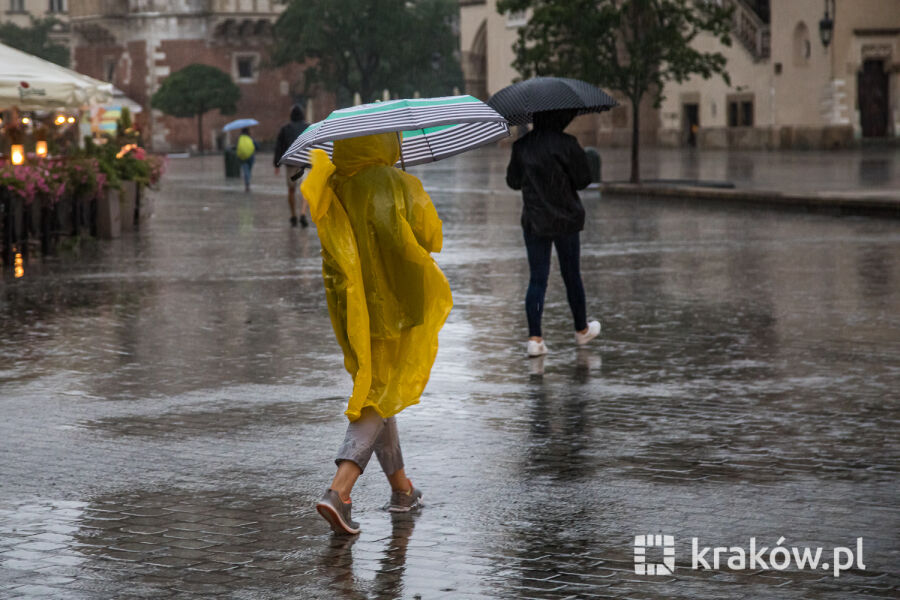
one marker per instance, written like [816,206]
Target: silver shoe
[337,513]
[402,502]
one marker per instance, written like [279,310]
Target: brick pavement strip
[172,401]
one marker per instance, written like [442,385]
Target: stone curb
[855,202]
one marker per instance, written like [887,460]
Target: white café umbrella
[31,83]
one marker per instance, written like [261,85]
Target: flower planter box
[17,214]
[89,215]
[144,204]
[34,215]
[109,215]
[81,214]
[13,225]
[64,216]
[47,220]
[128,200]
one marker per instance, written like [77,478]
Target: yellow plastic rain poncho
[387,297]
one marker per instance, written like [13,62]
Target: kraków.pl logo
[642,542]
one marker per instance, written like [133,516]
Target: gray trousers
[370,433]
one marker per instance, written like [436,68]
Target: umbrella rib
[400,142]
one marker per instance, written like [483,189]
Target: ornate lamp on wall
[826,25]
[40,148]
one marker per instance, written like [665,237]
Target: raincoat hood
[354,154]
[556,120]
[297,113]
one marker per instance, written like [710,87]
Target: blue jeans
[246,168]
[568,250]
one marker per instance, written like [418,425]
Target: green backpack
[245,147]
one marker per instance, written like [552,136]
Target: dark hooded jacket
[289,133]
[549,166]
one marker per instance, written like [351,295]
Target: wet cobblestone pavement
[172,402]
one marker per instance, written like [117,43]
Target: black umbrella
[518,102]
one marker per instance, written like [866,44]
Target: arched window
[802,45]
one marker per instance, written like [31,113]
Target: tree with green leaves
[632,46]
[36,40]
[366,46]
[194,91]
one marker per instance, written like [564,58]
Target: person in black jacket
[286,137]
[550,167]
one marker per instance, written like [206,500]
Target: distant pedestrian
[286,137]
[549,166]
[246,153]
[387,299]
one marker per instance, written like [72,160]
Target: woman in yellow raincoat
[387,299]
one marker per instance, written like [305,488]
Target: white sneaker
[593,331]
[536,348]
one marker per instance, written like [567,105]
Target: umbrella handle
[400,141]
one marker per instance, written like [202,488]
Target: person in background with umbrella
[246,153]
[549,166]
[286,137]
[387,299]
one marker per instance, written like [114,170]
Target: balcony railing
[121,8]
[753,33]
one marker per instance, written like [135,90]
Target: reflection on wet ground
[172,401]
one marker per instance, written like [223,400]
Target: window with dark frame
[245,67]
[16,6]
[740,112]
[57,6]
[747,113]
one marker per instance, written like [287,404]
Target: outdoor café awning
[31,83]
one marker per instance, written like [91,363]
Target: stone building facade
[136,44]
[788,89]
[21,12]
[486,42]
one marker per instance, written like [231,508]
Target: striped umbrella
[432,128]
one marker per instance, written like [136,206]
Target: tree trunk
[635,140]
[200,131]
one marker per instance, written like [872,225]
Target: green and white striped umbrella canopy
[432,128]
